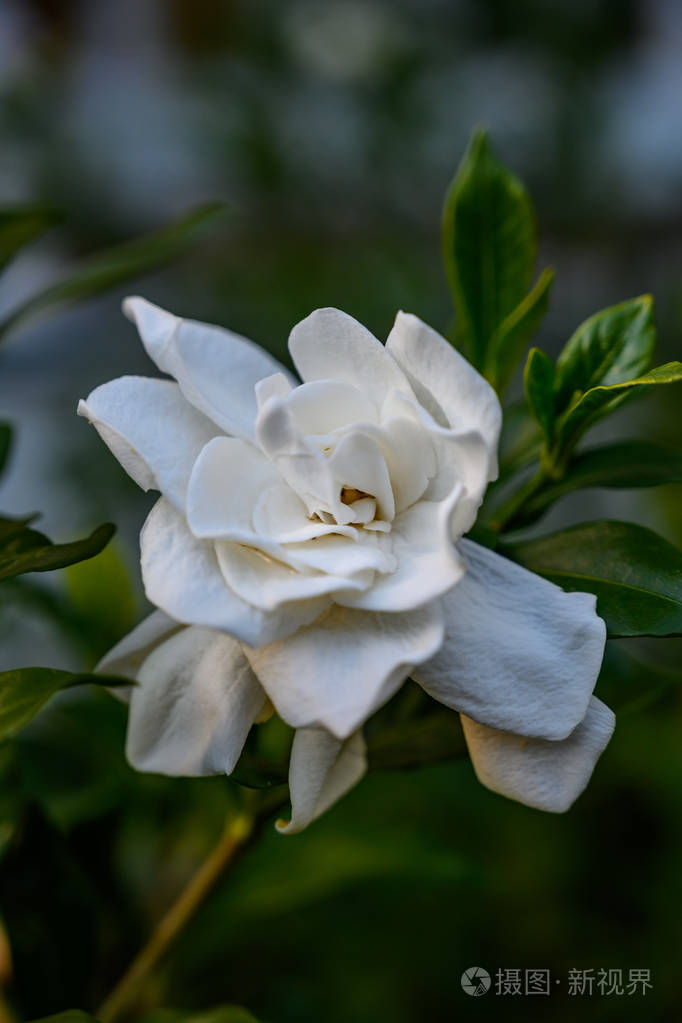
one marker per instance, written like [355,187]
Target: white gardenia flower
[307,553]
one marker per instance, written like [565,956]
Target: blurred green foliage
[373,913]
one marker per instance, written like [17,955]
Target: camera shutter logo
[475,981]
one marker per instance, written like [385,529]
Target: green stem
[507,512]
[233,840]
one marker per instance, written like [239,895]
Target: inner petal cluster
[347,462]
[318,507]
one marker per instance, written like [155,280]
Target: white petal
[428,564]
[217,370]
[322,406]
[302,465]
[519,653]
[266,583]
[410,459]
[311,475]
[127,656]
[236,494]
[151,429]
[194,706]
[445,383]
[365,510]
[358,463]
[378,526]
[181,576]
[281,516]
[462,460]
[540,773]
[406,446]
[277,385]
[337,672]
[228,478]
[322,769]
[329,344]
[342,556]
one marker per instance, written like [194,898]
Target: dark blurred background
[332,131]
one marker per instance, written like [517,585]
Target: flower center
[350,494]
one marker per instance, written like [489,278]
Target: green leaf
[611,347]
[513,335]
[489,245]
[600,401]
[19,225]
[635,574]
[628,464]
[27,550]
[538,382]
[426,740]
[23,691]
[120,263]
[5,445]
[10,528]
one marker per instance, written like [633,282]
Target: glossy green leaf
[538,382]
[19,225]
[629,464]
[5,444]
[489,245]
[512,337]
[611,347]
[635,574]
[23,691]
[426,740]
[120,263]
[27,550]
[601,401]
